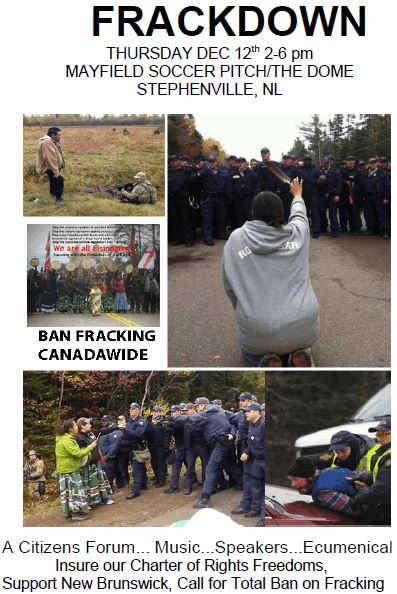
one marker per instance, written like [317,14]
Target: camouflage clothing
[107,303]
[64,304]
[72,493]
[95,483]
[79,303]
[33,473]
[142,193]
[79,295]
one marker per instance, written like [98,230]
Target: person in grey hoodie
[266,277]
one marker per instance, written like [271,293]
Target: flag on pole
[148,259]
[47,261]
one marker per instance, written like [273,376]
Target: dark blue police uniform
[158,436]
[110,445]
[257,460]
[241,189]
[310,193]
[213,203]
[329,185]
[376,190]
[180,451]
[216,426]
[352,187]
[181,214]
[196,447]
[134,432]
[239,419]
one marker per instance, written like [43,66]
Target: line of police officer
[227,444]
[334,196]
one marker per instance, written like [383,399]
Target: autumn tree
[213,147]
[183,137]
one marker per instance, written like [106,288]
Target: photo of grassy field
[95,155]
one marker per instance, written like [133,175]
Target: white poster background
[38,39]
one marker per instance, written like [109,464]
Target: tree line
[54,395]
[107,119]
[184,138]
[296,403]
[360,135]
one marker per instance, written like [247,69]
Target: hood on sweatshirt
[261,238]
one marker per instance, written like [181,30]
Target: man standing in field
[50,161]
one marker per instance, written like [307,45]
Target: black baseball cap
[253,406]
[340,440]
[245,396]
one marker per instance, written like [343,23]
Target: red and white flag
[47,261]
[148,259]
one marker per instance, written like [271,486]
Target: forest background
[361,135]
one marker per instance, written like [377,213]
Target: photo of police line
[335,193]
[150,449]
[347,193]
[163,446]
[284,241]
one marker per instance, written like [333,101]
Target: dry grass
[95,156]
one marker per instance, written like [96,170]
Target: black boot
[202,503]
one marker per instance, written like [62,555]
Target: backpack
[152,192]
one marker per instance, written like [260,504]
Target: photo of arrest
[93,275]
[287,261]
[87,164]
[328,465]
[160,447]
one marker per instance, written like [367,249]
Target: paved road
[57,320]
[351,278]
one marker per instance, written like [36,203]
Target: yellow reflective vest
[370,465]
[367,462]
